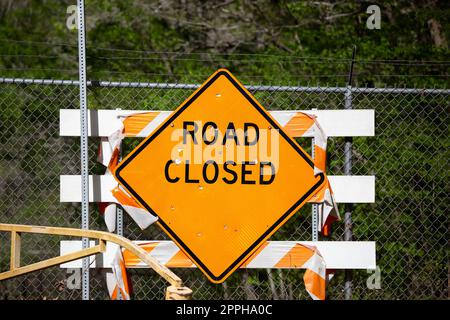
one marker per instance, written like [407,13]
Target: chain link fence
[408,155]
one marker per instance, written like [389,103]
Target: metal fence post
[84,145]
[119,210]
[119,231]
[119,216]
[348,235]
[314,209]
[119,221]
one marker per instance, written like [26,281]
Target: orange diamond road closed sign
[220,174]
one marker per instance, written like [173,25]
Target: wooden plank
[335,123]
[347,189]
[163,271]
[50,262]
[337,254]
[15,250]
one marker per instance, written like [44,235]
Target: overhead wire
[279,56]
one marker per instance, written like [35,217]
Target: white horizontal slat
[69,246]
[101,122]
[99,188]
[353,189]
[347,189]
[335,123]
[344,123]
[101,260]
[337,254]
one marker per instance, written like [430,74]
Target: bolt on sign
[221,175]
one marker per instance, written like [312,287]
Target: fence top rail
[160,85]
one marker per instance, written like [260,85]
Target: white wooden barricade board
[347,189]
[335,253]
[335,123]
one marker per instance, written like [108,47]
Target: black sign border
[167,123]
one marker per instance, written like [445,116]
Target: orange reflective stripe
[315,284]
[125,280]
[123,198]
[179,260]
[298,125]
[114,294]
[114,160]
[257,252]
[294,258]
[131,259]
[320,157]
[298,256]
[135,123]
[326,230]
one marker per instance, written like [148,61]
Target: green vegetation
[261,42]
